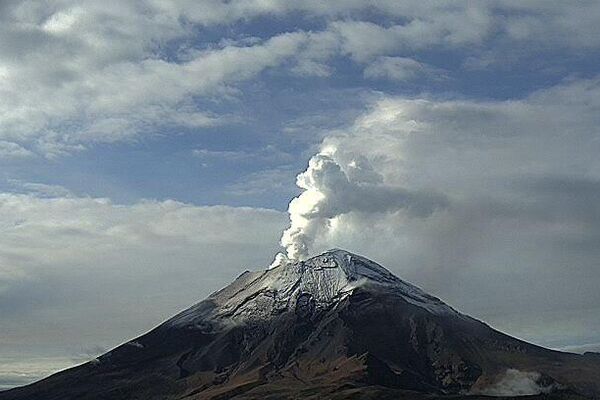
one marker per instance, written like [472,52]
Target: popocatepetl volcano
[337,326]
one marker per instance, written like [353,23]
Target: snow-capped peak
[325,279]
[328,276]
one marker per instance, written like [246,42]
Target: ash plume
[333,185]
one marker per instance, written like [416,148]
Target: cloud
[399,69]
[92,226]
[269,154]
[116,102]
[364,40]
[40,189]
[265,182]
[582,348]
[20,371]
[17,372]
[206,154]
[76,73]
[309,68]
[10,150]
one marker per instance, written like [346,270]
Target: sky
[149,151]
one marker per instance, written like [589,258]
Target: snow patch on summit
[327,278]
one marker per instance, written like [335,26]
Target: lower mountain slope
[337,326]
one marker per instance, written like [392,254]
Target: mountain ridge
[326,277]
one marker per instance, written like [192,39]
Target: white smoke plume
[518,383]
[335,184]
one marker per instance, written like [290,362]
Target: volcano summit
[337,326]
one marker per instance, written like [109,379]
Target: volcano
[336,326]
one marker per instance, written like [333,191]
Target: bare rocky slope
[337,326]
